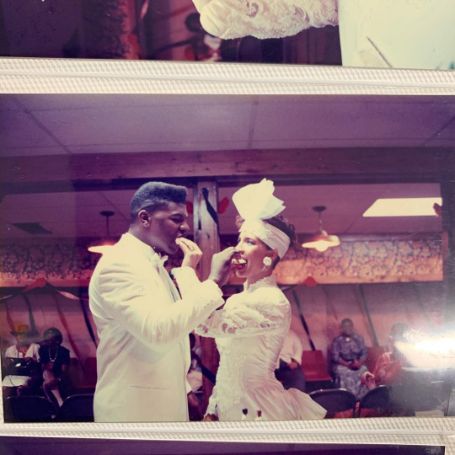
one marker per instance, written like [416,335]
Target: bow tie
[160,261]
[163,259]
[157,258]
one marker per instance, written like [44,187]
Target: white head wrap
[255,203]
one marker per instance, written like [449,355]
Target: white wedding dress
[250,330]
[228,19]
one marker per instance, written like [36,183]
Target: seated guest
[289,371]
[194,376]
[195,380]
[388,367]
[349,354]
[54,360]
[21,364]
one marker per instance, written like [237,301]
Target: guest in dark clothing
[289,371]
[195,380]
[54,360]
[349,354]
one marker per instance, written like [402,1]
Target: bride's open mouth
[239,263]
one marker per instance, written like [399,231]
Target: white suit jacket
[143,353]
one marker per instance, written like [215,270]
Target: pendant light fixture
[321,241]
[101,245]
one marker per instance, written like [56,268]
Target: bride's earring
[267,261]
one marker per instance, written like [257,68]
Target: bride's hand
[221,266]
[210,418]
[191,252]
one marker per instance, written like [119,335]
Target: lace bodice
[262,19]
[249,331]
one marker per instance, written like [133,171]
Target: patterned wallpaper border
[366,261]
[362,261]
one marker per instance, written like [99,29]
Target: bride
[251,327]
[229,19]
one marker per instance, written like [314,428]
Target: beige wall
[399,33]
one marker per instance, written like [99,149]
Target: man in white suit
[143,325]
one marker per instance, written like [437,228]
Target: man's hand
[355,365]
[194,407]
[368,379]
[221,266]
[53,383]
[193,400]
[210,418]
[344,363]
[191,252]
[293,364]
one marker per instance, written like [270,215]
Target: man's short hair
[53,332]
[156,195]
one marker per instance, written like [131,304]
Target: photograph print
[412,34]
[170,258]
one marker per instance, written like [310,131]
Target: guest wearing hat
[21,363]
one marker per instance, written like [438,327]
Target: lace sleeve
[245,319]
[229,19]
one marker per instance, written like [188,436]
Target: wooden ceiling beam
[127,170]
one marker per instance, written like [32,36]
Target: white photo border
[63,76]
[22,75]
